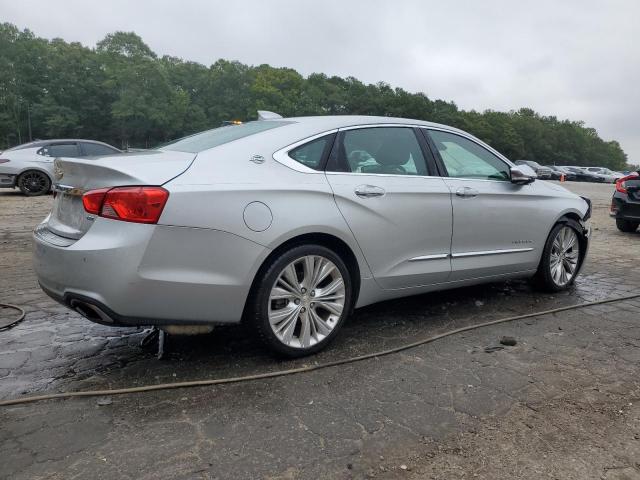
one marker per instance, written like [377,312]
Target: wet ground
[561,403]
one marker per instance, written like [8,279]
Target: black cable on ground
[310,368]
[7,324]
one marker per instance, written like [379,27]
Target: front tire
[33,183]
[561,258]
[626,226]
[301,300]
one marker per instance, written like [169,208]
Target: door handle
[467,192]
[369,191]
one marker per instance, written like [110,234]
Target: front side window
[383,150]
[98,149]
[311,154]
[464,158]
[61,150]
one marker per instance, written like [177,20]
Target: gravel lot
[562,403]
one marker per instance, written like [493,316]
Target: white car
[608,175]
[30,166]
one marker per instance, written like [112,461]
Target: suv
[30,166]
[544,173]
[625,204]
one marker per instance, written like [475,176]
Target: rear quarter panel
[215,192]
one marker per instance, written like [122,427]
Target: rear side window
[61,150]
[212,138]
[380,150]
[311,154]
[97,149]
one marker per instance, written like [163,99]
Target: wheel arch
[332,242]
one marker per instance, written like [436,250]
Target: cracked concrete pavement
[562,403]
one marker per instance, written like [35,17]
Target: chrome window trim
[282,156]
[490,252]
[437,256]
[384,175]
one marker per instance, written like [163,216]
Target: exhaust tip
[90,312]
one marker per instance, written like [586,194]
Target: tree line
[122,93]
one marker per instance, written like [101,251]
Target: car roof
[341,121]
[41,143]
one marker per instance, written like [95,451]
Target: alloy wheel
[306,301]
[33,183]
[565,255]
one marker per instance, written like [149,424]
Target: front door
[398,213]
[498,227]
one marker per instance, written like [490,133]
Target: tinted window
[218,136]
[385,150]
[466,159]
[311,154]
[61,150]
[97,149]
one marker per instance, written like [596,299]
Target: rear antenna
[267,115]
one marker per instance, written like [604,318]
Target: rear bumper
[150,274]
[623,209]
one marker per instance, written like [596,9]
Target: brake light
[4,160]
[129,204]
[620,185]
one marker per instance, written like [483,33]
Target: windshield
[212,138]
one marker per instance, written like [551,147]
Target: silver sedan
[290,224]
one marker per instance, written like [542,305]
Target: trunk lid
[75,176]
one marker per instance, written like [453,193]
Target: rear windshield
[212,138]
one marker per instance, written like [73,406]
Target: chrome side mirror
[523,175]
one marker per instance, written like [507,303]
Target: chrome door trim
[490,252]
[437,256]
[282,156]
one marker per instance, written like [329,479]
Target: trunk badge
[257,159]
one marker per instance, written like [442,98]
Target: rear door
[498,227]
[400,214]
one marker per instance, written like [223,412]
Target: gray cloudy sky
[573,59]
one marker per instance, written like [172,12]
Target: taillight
[620,185]
[92,200]
[4,160]
[129,204]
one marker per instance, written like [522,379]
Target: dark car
[557,172]
[625,204]
[584,176]
[543,173]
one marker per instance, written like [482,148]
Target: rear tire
[626,226]
[300,300]
[561,258]
[33,183]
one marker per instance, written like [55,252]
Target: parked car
[583,175]
[544,173]
[30,166]
[291,223]
[608,175]
[558,171]
[625,204]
